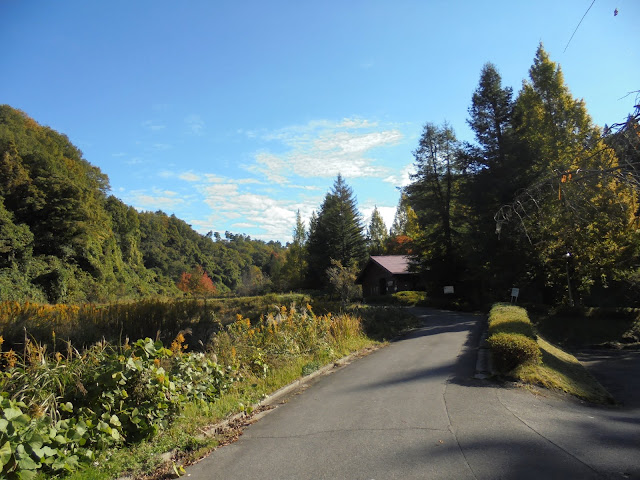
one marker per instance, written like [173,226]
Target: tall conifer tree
[377,234]
[586,215]
[336,233]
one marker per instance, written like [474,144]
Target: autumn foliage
[400,245]
[197,282]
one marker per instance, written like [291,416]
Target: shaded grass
[554,369]
[408,298]
[561,371]
[587,327]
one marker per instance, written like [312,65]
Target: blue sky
[233,115]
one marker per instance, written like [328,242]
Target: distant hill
[64,239]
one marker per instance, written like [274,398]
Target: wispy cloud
[189,177]
[323,149]
[273,216]
[195,124]
[402,178]
[153,125]
[135,161]
[142,200]
[161,146]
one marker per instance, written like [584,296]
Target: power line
[579,23]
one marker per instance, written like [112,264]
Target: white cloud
[142,201]
[135,161]
[274,217]
[153,126]
[323,149]
[403,178]
[195,123]
[243,225]
[189,177]
[387,213]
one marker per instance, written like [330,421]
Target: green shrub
[510,319]
[309,368]
[510,350]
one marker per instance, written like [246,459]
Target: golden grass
[562,371]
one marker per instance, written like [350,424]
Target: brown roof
[395,264]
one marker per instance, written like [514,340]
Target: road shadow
[508,457]
[617,370]
[437,322]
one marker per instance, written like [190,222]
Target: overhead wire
[579,23]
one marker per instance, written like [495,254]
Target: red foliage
[196,282]
[400,245]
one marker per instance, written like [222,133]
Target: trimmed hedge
[512,338]
[510,319]
[510,350]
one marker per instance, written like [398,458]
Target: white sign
[448,289]
[515,292]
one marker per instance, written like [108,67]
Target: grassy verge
[250,359]
[186,440]
[562,371]
[524,355]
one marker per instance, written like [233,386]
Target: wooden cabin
[387,274]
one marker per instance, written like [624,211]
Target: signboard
[514,294]
[448,289]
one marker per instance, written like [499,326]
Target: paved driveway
[413,411]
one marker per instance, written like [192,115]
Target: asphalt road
[413,410]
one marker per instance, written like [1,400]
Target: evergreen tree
[296,263]
[490,117]
[377,234]
[586,215]
[336,233]
[435,194]
[405,220]
[493,265]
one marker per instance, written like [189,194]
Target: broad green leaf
[27,463]
[11,413]
[5,453]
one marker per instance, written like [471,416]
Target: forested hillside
[543,200]
[63,238]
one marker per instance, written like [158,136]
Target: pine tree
[336,234]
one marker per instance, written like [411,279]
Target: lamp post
[568,256]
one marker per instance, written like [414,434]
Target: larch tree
[377,234]
[581,214]
[296,262]
[434,195]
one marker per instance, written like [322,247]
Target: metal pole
[568,256]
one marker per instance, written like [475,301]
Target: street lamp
[568,256]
